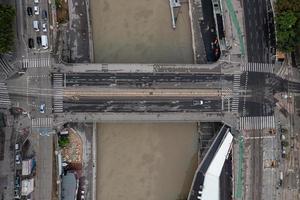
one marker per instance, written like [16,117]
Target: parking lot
[37,25]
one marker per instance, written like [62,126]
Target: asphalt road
[141,105]
[29,31]
[260,30]
[261,101]
[143,80]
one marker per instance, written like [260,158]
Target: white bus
[44,41]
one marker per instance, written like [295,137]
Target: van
[36,25]
[44,41]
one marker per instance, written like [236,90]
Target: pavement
[44,171]
[234,27]
[78,32]
[195,10]
[7,162]
[85,131]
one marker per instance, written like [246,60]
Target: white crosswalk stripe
[258,67]
[236,91]
[227,95]
[4,97]
[58,92]
[36,62]
[261,122]
[42,122]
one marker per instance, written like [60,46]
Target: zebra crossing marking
[58,92]
[4,97]
[42,122]
[36,62]
[236,90]
[260,122]
[226,98]
[258,67]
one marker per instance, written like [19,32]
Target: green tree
[63,141]
[287,24]
[286,31]
[287,5]
[7,14]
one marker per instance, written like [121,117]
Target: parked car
[30,43]
[18,159]
[39,40]
[29,11]
[36,25]
[36,10]
[36,1]
[42,108]
[44,14]
[44,26]
[17,147]
[18,181]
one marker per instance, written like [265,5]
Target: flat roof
[206,179]
[211,186]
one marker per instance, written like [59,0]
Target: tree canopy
[7,14]
[287,24]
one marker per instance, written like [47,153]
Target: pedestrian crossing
[6,69]
[58,92]
[4,97]
[226,98]
[36,62]
[236,91]
[258,67]
[42,122]
[261,122]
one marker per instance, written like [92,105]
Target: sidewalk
[234,29]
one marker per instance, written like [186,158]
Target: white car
[44,26]
[197,102]
[18,159]
[36,1]
[36,10]
[42,108]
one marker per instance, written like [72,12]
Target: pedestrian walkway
[261,122]
[235,21]
[58,92]
[258,67]
[6,69]
[36,62]
[4,97]
[226,102]
[42,122]
[226,99]
[236,92]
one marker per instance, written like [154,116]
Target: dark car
[29,11]
[30,43]
[44,14]
[39,40]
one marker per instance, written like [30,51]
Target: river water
[140,31]
[153,161]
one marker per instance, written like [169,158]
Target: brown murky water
[140,31]
[145,161]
